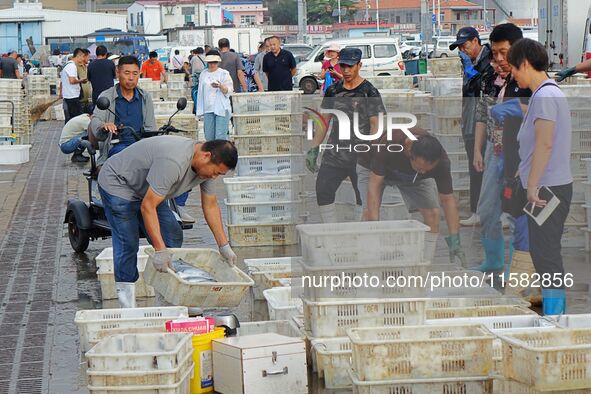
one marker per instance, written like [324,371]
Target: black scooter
[87,221]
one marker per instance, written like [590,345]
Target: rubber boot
[554,301]
[126,294]
[494,255]
[328,213]
[509,262]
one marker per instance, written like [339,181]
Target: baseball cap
[350,56]
[465,34]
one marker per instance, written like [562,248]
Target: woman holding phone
[213,98]
[331,66]
[545,150]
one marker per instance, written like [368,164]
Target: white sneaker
[473,220]
[184,215]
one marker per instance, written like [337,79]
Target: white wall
[151,18]
[75,24]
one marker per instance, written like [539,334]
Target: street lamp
[339,5]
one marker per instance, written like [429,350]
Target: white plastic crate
[140,352]
[329,319]
[579,190]
[278,279]
[472,385]
[257,268]
[392,82]
[546,360]
[230,287]
[472,298]
[270,212]
[573,236]
[587,164]
[264,102]
[106,276]
[96,324]
[333,361]
[125,379]
[272,144]
[424,120]
[514,387]
[572,321]
[578,214]
[386,273]
[451,142]
[578,165]
[448,106]
[176,85]
[422,102]
[14,154]
[281,327]
[580,121]
[281,305]
[259,189]
[448,125]
[460,179]
[181,387]
[421,352]
[459,161]
[263,235]
[263,165]
[267,124]
[169,108]
[364,243]
[480,311]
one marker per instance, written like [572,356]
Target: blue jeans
[215,127]
[125,219]
[181,200]
[489,204]
[73,144]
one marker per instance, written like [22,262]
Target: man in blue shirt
[132,106]
[280,66]
[101,73]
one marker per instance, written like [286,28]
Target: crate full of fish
[199,278]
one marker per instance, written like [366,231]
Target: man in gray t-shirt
[134,186]
[231,62]
[9,67]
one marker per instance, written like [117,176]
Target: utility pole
[339,5]
[426,35]
[366,10]
[302,20]
[485,17]
[378,15]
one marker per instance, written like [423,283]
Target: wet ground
[43,282]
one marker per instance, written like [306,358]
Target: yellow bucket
[202,381]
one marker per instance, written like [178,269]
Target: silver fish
[191,273]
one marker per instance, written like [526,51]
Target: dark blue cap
[465,34]
[350,56]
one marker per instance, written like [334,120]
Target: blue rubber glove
[509,108]
[455,249]
[469,70]
[565,73]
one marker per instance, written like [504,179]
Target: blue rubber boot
[554,301]
[494,255]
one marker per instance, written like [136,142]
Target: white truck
[564,29]
[242,39]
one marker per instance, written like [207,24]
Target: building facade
[245,13]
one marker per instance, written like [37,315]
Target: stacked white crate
[37,85]
[270,142]
[12,90]
[152,87]
[185,120]
[576,233]
[447,127]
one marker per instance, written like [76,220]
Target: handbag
[513,197]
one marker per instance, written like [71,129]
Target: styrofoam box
[272,144]
[256,268]
[281,305]
[96,324]
[125,379]
[268,124]
[259,189]
[471,385]
[183,386]
[14,154]
[448,125]
[263,165]
[287,328]
[364,243]
[140,352]
[231,286]
[421,352]
[264,102]
[264,363]
[263,235]
[548,360]
[268,212]
[329,319]
[333,361]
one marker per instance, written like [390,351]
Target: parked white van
[380,56]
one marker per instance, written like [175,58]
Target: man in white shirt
[72,135]
[70,90]
[177,62]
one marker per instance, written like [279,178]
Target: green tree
[285,12]
[320,11]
